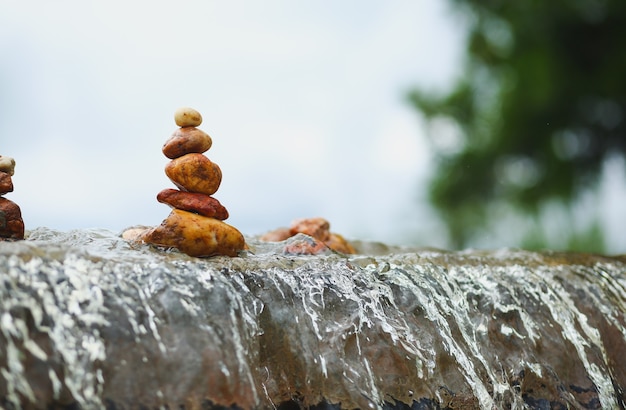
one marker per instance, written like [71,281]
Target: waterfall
[88,320]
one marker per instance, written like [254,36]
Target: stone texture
[11,223]
[194,173]
[319,228]
[196,235]
[198,203]
[316,228]
[187,140]
[187,117]
[301,244]
[7,164]
[6,183]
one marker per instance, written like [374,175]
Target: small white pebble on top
[187,117]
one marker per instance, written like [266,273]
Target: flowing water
[90,321]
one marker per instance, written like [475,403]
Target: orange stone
[195,235]
[189,201]
[187,140]
[194,173]
[337,243]
[277,235]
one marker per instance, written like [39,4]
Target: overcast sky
[305,102]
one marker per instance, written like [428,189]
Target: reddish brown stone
[194,173]
[198,203]
[6,183]
[187,140]
[11,223]
[315,227]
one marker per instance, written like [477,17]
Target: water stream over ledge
[90,321]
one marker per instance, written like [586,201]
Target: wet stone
[301,244]
[11,223]
[196,235]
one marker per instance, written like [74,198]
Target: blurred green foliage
[540,106]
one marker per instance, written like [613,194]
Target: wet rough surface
[88,320]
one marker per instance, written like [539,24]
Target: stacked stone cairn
[195,225]
[11,223]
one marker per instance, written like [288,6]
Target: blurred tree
[540,107]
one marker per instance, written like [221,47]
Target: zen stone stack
[195,226]
[11,223]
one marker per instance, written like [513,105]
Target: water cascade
[90,321]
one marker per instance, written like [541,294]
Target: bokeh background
[344,110]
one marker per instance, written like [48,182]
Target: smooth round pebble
[134,234]
[187,117]
[7,164]
[194,173]
[187,140]
[6,183]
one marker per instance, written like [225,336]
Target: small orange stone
[194,173]
[316,228]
